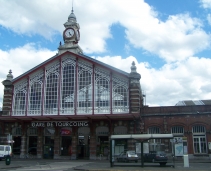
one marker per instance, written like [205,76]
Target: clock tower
[71,36]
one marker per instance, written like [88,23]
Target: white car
[127,156]
[5,150]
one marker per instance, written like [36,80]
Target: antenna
[72,6]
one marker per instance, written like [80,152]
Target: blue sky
[168,40]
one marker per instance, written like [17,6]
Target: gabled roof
[84,57]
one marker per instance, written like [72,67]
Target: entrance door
[17,145]
[32,145]
[48,149]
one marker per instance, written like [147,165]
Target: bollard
[186,161]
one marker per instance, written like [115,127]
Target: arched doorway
[48,148]
[32,141]
[16,146]
[83,142]
[66,141]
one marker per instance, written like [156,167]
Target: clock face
[69,33]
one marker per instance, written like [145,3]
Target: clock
[69,33]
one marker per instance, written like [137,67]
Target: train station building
[69,105]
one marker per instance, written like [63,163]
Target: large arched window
[120,95]
[51,90]
[35,94]
[68,87]
[19,100]
[84,88]
[199,139]
[102,91]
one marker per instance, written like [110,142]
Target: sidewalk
[101,165]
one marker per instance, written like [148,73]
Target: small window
[1,148]
[177,130]
[199,129]
[154,130]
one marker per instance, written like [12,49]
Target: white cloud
[185,80]
[20,60]
[174,39]
[205,3]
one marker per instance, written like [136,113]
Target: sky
[169,41]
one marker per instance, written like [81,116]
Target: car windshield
[131,152]
[161,152]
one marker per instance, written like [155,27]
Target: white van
[5,150]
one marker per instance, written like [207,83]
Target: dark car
[127,156]
[156,157]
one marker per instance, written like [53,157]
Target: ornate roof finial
[72,7]
[133,67]
[10,76]
[72,17]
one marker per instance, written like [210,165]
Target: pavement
[99,165]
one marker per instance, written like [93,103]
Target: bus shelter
[140,138]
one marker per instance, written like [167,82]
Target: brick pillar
[7,99]
[92,147]
[74,147]
[136,97]
[130,142]
[92,143]
[23,146]
[40,143]
[56,144]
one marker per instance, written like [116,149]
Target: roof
[142,136]
[82,56]
[193,102]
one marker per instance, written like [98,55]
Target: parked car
[127,156]
[5,150]
[156,157]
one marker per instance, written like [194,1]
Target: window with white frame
[102,91]
[19,99]
[120,94]
[68,87]
[199,139]
[84,88]
[35,94]
[51,90]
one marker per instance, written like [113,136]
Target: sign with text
[60,124]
